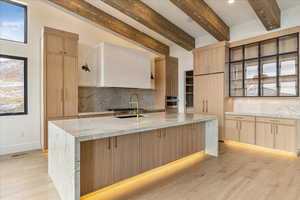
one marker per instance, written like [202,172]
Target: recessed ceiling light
[230,1]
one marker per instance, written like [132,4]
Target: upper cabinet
[267,68]
[115,66]
[166,81]
[210,59]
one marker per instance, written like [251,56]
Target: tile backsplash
[92,99]
[272,106]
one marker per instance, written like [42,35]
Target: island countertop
[96,128]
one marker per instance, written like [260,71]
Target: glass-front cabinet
[265,69]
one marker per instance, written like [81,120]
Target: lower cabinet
[276,136]
[126,156]
[247,132]
[92,154]
[166,145]
[107,161]
[231,130]
[272,133]
[264,135]
[150,150]
[240,129]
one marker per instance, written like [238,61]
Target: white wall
[290,18]
[20,133]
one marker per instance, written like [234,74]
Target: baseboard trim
[9,149]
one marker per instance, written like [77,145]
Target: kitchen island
[91,153]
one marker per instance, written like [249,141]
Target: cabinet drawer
[240,117]
[289,122]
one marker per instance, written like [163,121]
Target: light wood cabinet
[264,135]
[231,130]
[274,133]
[247,132]
[285,138]
[126,156]
[240,129]
[60,77]
[150,150]
[92,155]
[209,97]
[209,82]
[210,59]
[187,137]
[166,79]
[170,147]
[109,160]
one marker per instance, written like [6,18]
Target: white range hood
[115,66]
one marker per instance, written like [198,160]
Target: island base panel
[110,160]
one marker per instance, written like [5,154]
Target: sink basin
[128,116]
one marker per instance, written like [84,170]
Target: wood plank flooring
[237,174]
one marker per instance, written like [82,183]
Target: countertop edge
[131,131]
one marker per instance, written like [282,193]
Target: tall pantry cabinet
[60,77]
[210,82]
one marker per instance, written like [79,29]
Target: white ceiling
[232,14]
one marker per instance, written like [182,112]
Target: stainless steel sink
[128,116]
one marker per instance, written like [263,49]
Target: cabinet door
[232,130]
[150,150]
[201,61]
[71,46]
[171,76]
[95,165]
[70,86]
[188,140]
[285,138]
[215,99]
[217,59]
[247,132]
[126,156]
[54,85]
[198,137]
[160,83]
[201,88]
[264,135]
[170,145]
[54,75]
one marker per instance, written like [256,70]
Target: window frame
[25,21]
[260,58]
[25,84]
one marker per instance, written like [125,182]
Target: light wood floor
[238,174]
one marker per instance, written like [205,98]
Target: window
[267,68]
[13,21]
[13,85]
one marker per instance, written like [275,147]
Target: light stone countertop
[271,115]
[101,127]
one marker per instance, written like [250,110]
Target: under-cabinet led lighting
[141,181]
[260,149]
[230,1]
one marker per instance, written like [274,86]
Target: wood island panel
[110,160]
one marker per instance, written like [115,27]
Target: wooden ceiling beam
[92,13]
[268,12]
[144,14]
[201,13]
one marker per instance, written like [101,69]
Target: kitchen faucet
[136,102]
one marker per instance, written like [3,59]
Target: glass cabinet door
[268,77]
[267,68]
[288,78]
[251,80]
[236,79]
